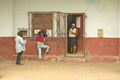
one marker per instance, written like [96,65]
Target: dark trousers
[19,57]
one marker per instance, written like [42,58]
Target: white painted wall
[100,14]
[6,18]
[119,16]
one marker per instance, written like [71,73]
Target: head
[20,33]
[40,33]
[73,25]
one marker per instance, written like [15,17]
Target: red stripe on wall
[97,49]
[102,46]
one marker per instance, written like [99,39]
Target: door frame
[83,38]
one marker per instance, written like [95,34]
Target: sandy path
[36,70]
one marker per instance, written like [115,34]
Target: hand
[25,41]
[72,32]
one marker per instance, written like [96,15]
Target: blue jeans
[40,50]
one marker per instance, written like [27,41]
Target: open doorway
[78,20]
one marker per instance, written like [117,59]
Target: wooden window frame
[55,28]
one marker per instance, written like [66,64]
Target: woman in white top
[20,46]
[73,32]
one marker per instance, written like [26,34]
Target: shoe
[19,64]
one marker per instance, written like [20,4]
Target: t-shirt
[71,31]
[40,38]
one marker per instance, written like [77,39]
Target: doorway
[78,20]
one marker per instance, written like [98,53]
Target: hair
[20,33]
[44,33]
[73,24]
[39,33]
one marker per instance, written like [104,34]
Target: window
[52,22]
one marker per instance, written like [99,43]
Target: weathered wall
[7,48]
[99,14]
[97,49]
[103,49]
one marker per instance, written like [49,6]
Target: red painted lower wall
[96,49]
[7,48]
[102,46]
[102,49]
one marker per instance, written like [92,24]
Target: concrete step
[75,59]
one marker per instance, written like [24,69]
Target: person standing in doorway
[73,32]
[40,38]
[20,46]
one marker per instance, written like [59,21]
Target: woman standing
[73,32]
[20,46]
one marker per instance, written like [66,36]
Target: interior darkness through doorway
[70,19]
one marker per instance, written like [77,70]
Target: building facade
[98,23]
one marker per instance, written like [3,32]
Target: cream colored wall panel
[99,14]
[6,18]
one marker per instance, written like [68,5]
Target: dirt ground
[47,70]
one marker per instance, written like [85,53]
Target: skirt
[72,41]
